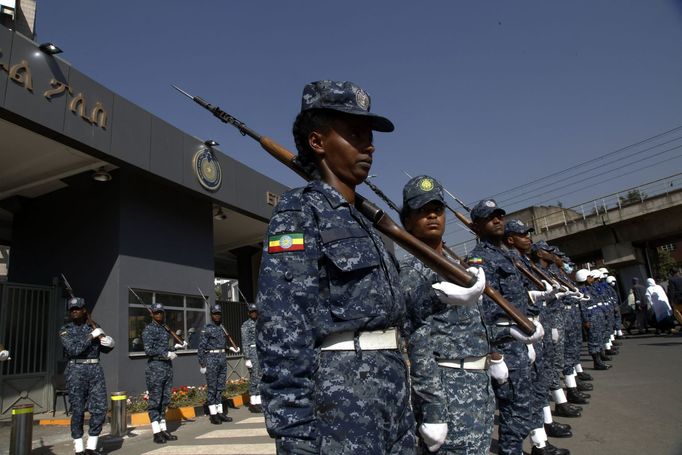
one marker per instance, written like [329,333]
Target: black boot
[159,439]
[612,351]
[573,396]
[224,417]
[584,386]
[558,430]
[603,356]
[215,420]
[168,436]
[599,363]
[565,410]
[90,452]
[256,408]
[549,449]
[616,343]
[584,376]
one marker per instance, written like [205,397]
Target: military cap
[216,309]
[76,302]
[542,245]
[253,307]
[421,190]
[517,227]
[342,96]
[485,209]
[157,307]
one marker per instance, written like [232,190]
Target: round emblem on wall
[207,169]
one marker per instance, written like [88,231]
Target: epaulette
[291,201]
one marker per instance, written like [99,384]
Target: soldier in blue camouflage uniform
[251,356]
[448,343]
[213,363]
[84,375]
[159,372]
[517,238]
[591,314]
[514,396]
[329,301]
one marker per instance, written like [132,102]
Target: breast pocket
[505,272]
[353,272]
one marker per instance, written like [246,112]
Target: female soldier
[334,381]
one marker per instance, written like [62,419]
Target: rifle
[177,338]
[88,319]
[382,222]
[227,335]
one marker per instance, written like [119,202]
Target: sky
[486,96]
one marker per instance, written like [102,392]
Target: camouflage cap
[421,190]
[157,307]
[342,96]
[215,309]
[253,307]
[76,302]
[485,209]
[542,245]
[517,227]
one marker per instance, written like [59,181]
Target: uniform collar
[333,197]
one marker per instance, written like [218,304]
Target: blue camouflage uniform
[325,271]
[462,398]
[249,348]
[159,371]
[592,314]
[85,381]
[212,355]
[514,396]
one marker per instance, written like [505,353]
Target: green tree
[664,264]
[633,196]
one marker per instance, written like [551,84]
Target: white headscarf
[656,297]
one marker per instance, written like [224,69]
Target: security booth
[122,204]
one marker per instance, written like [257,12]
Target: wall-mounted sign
[207,169]
[94,113]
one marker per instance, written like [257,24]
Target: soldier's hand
[107,341]
[433,434]
[97,332]
[248,364]
[452,294]
[182,345]
[4,355]
[171,355]
[202,370]
[531,353]
[233,349]
[499,371]
[555,335]
[522,337]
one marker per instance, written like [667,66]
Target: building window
[185,314]
[670,247]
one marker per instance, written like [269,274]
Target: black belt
[159,357]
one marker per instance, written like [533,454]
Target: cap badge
[490,204]
[426,185]
[362,99]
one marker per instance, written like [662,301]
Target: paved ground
[633,410]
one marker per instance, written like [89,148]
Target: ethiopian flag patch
[285,242]
[475,261]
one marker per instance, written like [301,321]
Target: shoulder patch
[291,241]
[475,261]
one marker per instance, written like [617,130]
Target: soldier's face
[216,317]
[76,313]
[158,316]
[346,149]
[521,242]
[253,315]
[493,226]
[427,222]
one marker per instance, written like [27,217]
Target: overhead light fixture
[219,214]
[101,175]
[210,143]
[50,48]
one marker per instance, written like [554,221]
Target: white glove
[563,288]
[182,345]
[97,332]
[538,296]
[202,370]
[452,294]
[548,287]
[560,295]
[520,336]
[499,371]
[4,355]
[555,335]
[531,352]
[248,364]
[433,434]
[233,349]
[107,341]
[585,298]
[171,355]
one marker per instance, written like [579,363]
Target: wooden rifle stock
[448,270]
[533,279]
[564,282]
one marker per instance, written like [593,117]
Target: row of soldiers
[336,308]
[84,341]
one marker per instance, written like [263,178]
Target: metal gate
[234,314]
[27,329]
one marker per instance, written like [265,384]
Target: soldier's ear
[316,142]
